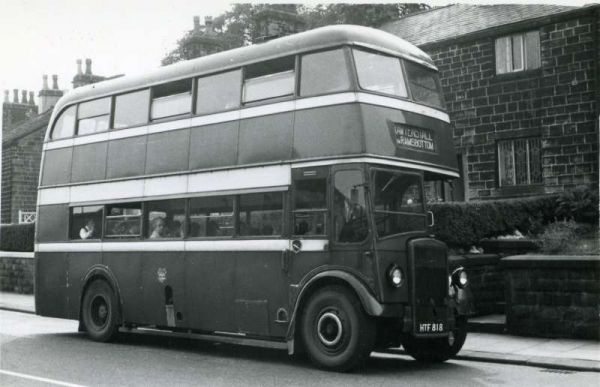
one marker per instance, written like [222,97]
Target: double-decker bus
[270,195]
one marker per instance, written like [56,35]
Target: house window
[519,161]
[518,52]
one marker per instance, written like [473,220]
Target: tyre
[437,350]
[100,311]
[337,334]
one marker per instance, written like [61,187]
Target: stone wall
[553,296]
[486,281]
[16,272]
[557,103]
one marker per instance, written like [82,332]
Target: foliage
[559,236]
[580,204]
[17,237]
[465,224]
[236,27]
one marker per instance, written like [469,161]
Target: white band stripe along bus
[188,245]
[257,111]
[256,178]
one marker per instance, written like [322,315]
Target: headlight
[395,276]
[459,277]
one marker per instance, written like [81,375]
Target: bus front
[408,133]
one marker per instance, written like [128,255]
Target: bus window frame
[173,117]
[297,174]
[114,106]
[401,63]
[138,237]
[366,182]
[58,116]
[239,106]
[110,116]
[270,100]
[371,171]
[352,76]
[444,107]
[221,237]
[71,223]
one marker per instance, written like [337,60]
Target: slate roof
[39,122]
[455,20]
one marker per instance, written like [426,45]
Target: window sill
[517,75]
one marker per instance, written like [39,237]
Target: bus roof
[315,39]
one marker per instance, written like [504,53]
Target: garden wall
[16,272]
[553,296]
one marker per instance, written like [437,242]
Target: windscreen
[424,85]
[398,202]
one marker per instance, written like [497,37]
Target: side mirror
[430,219]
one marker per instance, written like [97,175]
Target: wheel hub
[99,311]
[329,329]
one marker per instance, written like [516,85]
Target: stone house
[23,128]
[520,83]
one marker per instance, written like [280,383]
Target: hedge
[465,224]
[17,237]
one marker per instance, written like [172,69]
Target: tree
[236,27]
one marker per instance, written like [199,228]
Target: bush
[465,224]
[17,237]
[580,204]
[560,236]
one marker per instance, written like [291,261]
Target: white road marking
[45,380]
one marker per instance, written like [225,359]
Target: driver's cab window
[350,220]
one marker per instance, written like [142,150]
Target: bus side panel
[57,166]
[337,128]
[214,145]
[52,223]
[267,138]
[210,282]
[78,264]
[126,266]
[51,284]
[162,271]
[126,157]
[260,291]
[89,162]
[168,152]
[380,124]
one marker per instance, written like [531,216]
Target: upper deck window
[324,72]
[93,116]
[172,99]
[64,126]
[219,92]
[132,109]
[379,73]
[424,85]
[271,79]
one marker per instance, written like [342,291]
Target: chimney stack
[54,82]
[88,66]
[45,83]
[15,95]
[47,97]
[6,98]
[23,96]
[208,22]
[31,101]
[196,23]
[79,71]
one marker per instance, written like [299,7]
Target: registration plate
[431,327]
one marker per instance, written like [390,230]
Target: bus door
[309,222]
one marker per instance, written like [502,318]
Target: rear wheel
[100,313]
[437,350]
[337,334]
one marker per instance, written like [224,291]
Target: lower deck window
[211,217]
[86,222]
[166,219]
[124,220]
[261,214]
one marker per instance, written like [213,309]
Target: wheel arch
[331,277]
[99,272]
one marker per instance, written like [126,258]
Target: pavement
[486,342]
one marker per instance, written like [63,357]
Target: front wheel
[100,312]
[337,334]
[437,350]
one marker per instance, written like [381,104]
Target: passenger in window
[212,228]
[87,232]
[158,228]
